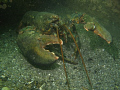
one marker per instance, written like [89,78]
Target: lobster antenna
[63,59]
[79,54]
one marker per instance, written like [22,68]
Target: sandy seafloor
[17,73]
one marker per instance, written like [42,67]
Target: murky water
[103,68]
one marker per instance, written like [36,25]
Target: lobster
[41,29]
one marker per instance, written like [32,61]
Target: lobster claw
[32,45]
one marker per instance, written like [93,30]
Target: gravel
[17,73]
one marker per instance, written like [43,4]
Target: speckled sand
[16,73]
